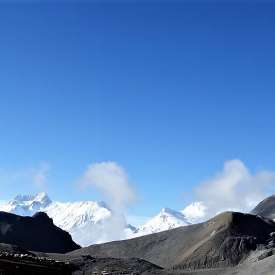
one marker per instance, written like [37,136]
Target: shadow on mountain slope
[36,233]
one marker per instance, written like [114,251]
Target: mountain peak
[39,197]
[27,205]
[80,218]
[20,197]
[166,219]
[43,198]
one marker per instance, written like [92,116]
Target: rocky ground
[14,263]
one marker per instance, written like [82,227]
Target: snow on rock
[88,222]
[27,205]
[91,222]
[165,220]
[83,220]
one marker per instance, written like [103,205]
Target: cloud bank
[234,188]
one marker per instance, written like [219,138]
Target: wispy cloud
[112,181]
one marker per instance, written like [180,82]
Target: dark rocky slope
[37,233]
[223,241]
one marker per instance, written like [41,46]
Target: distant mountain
[165,220]
[91,222]
[266,208]
[85,220]
[36,233]
[88,222]
[27,205]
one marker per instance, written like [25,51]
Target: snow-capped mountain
[27,205]
[165,220]
[83,220]
[169,219]
[91,222]
[88,222]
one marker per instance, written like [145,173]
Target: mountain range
[91,222]
[231,243]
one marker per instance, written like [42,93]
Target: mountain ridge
[166,219]
[87,221]
[229,243]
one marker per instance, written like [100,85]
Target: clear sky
[168,91]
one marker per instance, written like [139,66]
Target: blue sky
[169,91]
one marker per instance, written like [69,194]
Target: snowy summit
[91,222]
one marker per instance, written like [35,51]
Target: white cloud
[112,181]
[234,188]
